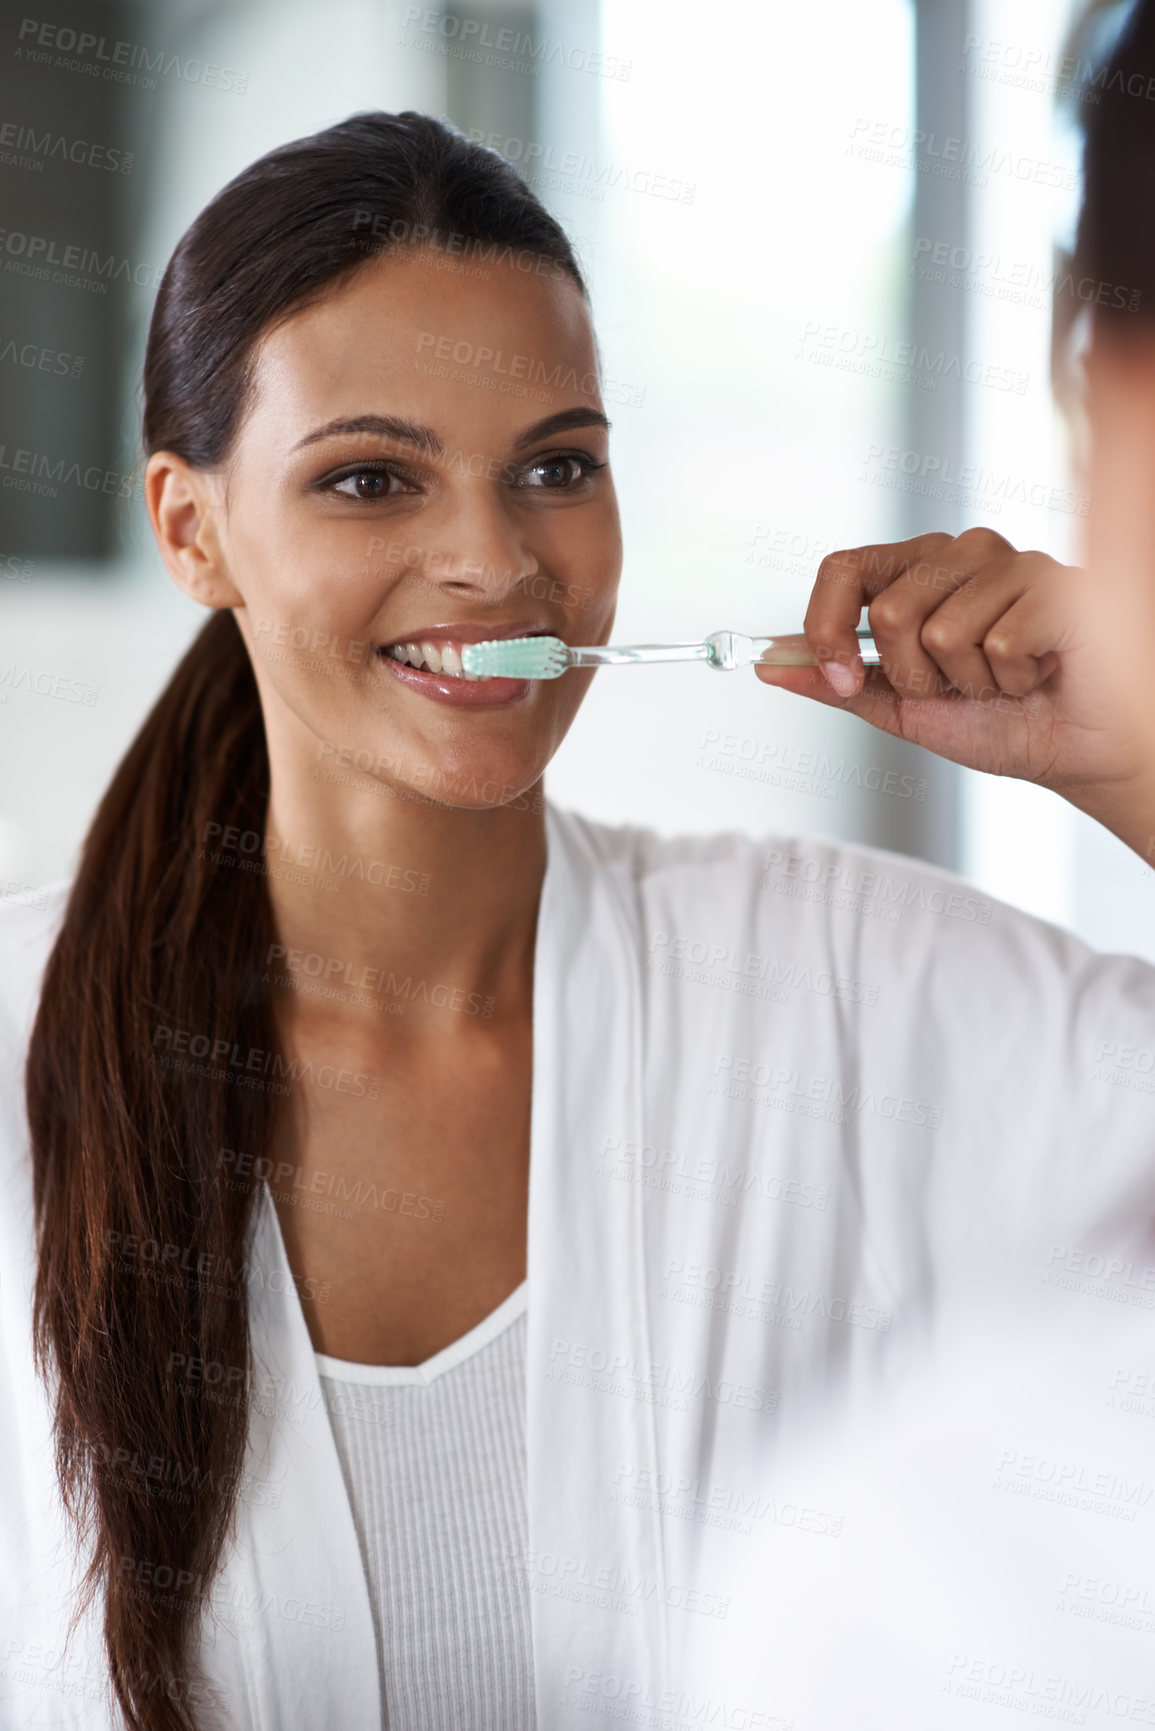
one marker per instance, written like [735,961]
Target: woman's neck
[388,901]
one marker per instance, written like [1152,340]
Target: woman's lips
[417,661]
[455,691]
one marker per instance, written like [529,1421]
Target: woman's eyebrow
[565,421]
[425,439]
[390,426]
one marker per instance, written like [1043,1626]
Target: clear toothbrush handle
[633,654]
[794,651]
[723,650]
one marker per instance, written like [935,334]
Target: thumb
[876,701]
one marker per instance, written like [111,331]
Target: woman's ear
[184,506]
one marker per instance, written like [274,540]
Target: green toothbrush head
[516,658]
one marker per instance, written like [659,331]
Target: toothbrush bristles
[515,658]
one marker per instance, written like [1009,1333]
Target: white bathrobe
[788,1097]
[998,1529]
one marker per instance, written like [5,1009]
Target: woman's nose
[481,552]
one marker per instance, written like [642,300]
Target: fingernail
[842,678]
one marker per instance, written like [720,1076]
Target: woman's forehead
[409,303]
[401,333]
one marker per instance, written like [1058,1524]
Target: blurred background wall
[822,249]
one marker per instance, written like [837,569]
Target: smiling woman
[437,1196]
[352,515]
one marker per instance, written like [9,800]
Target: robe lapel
[291,1636]
[595,1562]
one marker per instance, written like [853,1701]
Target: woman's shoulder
[797,889]
[652,853]
[815,871]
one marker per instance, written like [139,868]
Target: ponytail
[139,1240]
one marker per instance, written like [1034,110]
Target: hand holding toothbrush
[1003,661]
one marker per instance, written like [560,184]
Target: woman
[342,1044]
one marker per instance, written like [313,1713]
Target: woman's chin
[474,785]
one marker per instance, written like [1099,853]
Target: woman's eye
[557,473]
[369,484]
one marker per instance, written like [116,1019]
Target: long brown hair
[131,1203]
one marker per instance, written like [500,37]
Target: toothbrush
[548,657]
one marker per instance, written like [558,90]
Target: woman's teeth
[434,658]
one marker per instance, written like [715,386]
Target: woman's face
[424,463]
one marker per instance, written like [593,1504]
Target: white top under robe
[434,1461]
